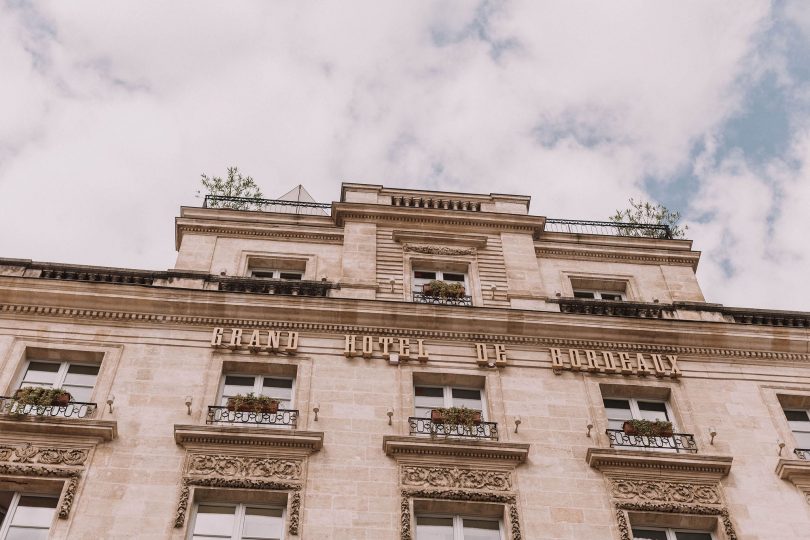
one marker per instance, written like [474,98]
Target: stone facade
[349,459]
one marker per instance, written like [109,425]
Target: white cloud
[574,103]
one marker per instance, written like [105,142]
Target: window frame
[61,373]
[12,509]
[417,288]
[671,531]
[258,380]
[276,273]
[458,523]
[239,517]
[597,294]
[793,432]
[447,396]
[635,412]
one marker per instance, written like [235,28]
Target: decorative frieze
[454,477]
[71,477]
[661,491]
[28,453]
[244,467]
[438,250]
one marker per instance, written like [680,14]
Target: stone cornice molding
[614,254]
[75,428]
[44,455]
[257,229]
[609,460]
[625,531]
[796,471]
[194,436]
[408,447]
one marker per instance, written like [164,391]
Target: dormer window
[599,295]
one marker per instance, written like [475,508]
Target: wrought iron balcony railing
[74,409]
[274,286]
[425,426]
[613,308]
[423,298]
[802,453]
[609,228]
[679,442]
[282,417]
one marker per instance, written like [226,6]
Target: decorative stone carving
[453,477]
[438,250]
[507,498]
[71,477]
[679,492]
[28,453]
[672,508]
[244,467]
[293,504]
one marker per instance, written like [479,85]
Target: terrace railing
[282,417]
[422,298]
[425,426]
[608,228]
[74,409]
[679,442]
[274,286]
[802,453]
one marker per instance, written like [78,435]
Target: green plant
[236,185]
[643,213]
[43,397]
[444,289]
[460,416]
[648,428]
[252,403]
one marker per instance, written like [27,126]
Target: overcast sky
[110,111]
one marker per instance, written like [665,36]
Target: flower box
[252,403]
[456,415]
[647,428]
[43,397]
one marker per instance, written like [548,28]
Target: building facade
[434,366]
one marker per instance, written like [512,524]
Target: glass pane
[24,533]
[802,439]
[583,294]
[41,373]
[34,511]
[420,274]
[81,375]
[266,274]
[467,398]
[280,389]
[236,384]
[617,411]
[432,528]
[426,397]
[611,296]
[262,523]
[453,277]
[291,275]
[645,534]
[79,393]
[479,529]
[797,416]
[213,519]
[652,410]
[693,536]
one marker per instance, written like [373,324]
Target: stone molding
[28,453]
[664,491]
[625,531]
[399,446]
[796,471]
[71,477]
[454,477]
[306,442]
[614,255]
[438,250]
[446,239]
[320,236]
[243,466]
[614,460]
[94,430]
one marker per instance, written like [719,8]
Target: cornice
[257,229]
[74,428]
[397,446]
[794,470]
[639,256]
[209,435]
[612,460]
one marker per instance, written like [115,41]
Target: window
[287,275]
[427,398]
[26,517]
[237,522]
[78,379]
[669,534]
[457,528]
[620,410]
[799,421]
[280,388]
[423,277]
[599,295]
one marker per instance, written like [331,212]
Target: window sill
[607,459]
[101,430]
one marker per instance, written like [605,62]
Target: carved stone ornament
[625,532]
[71,477]
[28,453]
[678,492]
[244,467]
[438,250]
[293,502]
[507,498]
[453,477]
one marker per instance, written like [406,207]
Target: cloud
[114,113]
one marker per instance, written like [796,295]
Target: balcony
[608,228]
[422,298]
[274,286]
[425,426]
[679,442]
[613,308]
[802,453]
[281,418]
[74,409]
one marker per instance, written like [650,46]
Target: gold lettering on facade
[368,346]
[216,337]
[392,349]
[385,343]
[259,341]
[612,362]
[483,358]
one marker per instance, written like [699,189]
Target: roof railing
[608,228]
[267,205]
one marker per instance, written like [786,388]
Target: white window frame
[447,391]
[635,411]
[417,287]
[258,384]
[239,518]
[597,293]
[671,532]
[458,524]
[12,509]
[61,373]
[794,431]
[276,273]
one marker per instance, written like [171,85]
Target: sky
[111,111]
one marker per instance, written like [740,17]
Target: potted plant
[435,287]
[454,290]
[252,403]
[43,397]
[456,416]
[648,428]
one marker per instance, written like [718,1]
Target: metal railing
[74,409]
[609,228]
[274,286]
[802,453]
[267,205]
[425,426]
[221,415]
[422,298]
[612,308]
[679,442]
